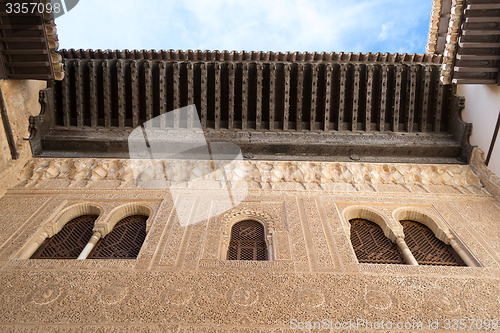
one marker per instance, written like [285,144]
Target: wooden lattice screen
[124,241]
[427,248]
[69,242]
[371,245]
[247,242]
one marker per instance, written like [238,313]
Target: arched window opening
[247,242]
[427,248]
[124,241]
[69,242]
[371,245]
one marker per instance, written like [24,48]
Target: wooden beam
[300,90]
[397,98]
[369,97]
[314,94]
[120,77]
[258,113]
[411,106]
[204,96]
[94,86]
[79,94]
[286,107]
[272,95]
[148,82]
[218,95]
[383,97]
[162,92]
[244,96]
[355,97]
[342,96]
[66,96]
[425,98]
[328,98]
[134,73]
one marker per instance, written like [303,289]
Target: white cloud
[280,25]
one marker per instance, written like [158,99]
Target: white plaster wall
[482,105]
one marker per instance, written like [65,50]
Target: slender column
[464,255]
[405,251]
[258,115]
[90,245]
[26,254]
[328,98]
[94,109]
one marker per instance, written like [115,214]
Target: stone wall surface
[180,281]
[21,102]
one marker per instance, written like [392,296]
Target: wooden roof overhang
[288,106]
[28,45]
[467,34]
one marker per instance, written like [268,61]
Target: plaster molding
[90,173]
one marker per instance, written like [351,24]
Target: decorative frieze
[257,174]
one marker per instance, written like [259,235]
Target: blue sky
[257,25]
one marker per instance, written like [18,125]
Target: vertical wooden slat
[162,92]
[244,97]
[217,94]
[383,97]
[258,114]
[355,97]
[342,96]
[425,98]
[66,95]
[190,86]
[369,96]
[134,73]
[176,95]
[148,81]
[397,98]
[106,79]
[300,89]
[94,108]
[79,93]
[439,106]
[204,97]
[328,98]
[272,95]
[232,77]
[314,96]
[411,106]
[286,111]
[120,77]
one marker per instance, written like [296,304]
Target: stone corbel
[41,124]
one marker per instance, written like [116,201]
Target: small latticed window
[371,245]
[124,241]
[69,242]
[247,242]
[427,248]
